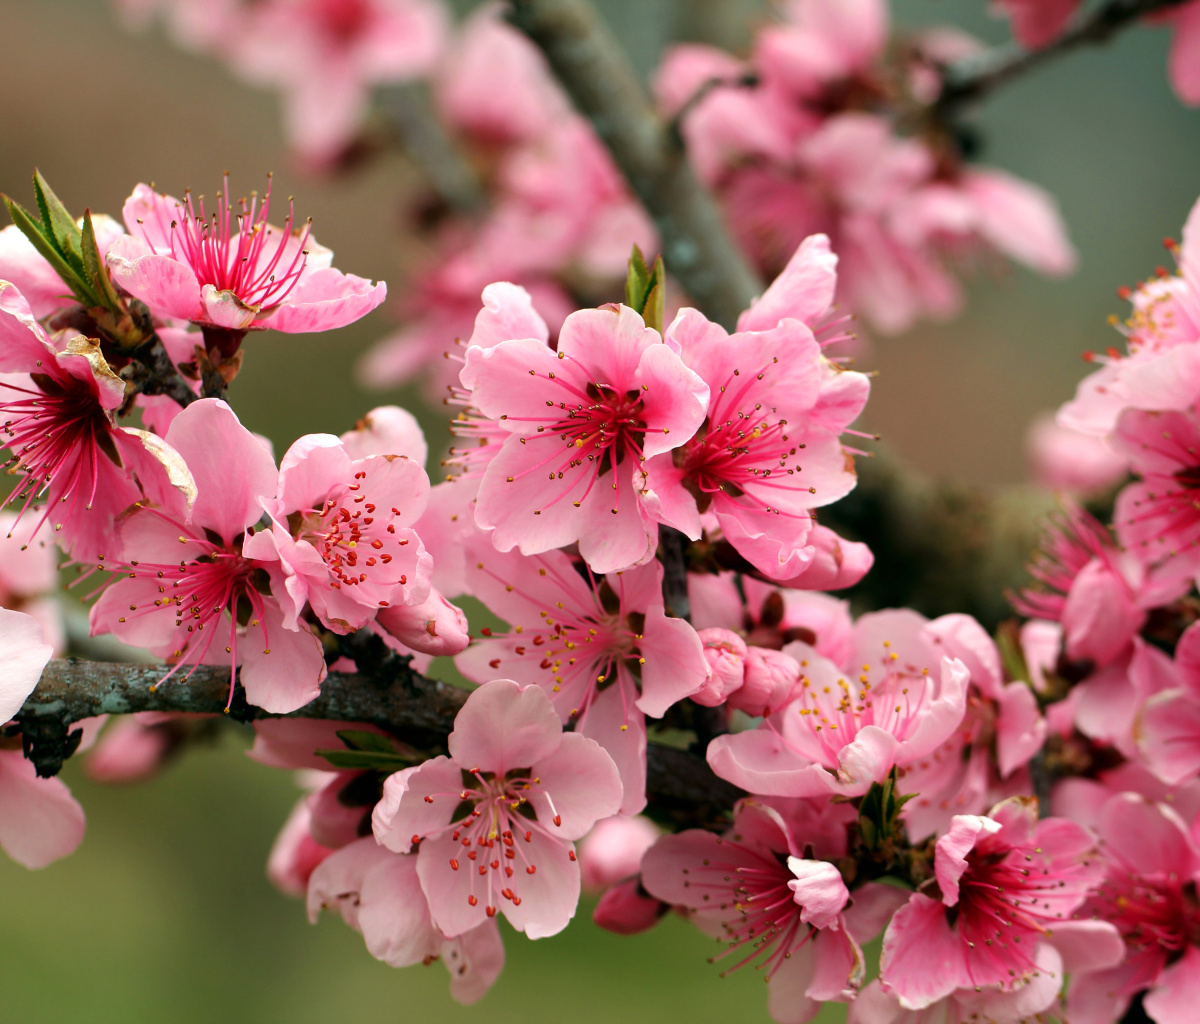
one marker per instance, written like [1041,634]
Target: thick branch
[595,73]
[979,77]
[414,709]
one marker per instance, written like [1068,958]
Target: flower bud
[769,679]
[434,626]
[725,653]
[613,849]
[626,909]
[129,751]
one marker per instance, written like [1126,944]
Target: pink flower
[613,850]
[30,272]
[58,409]
[1067,460]
[580,422]
[532,790]
[1184,58]
[768,452]
[725,652]
[842,731]
[1151,864]
[387,430]
[1037,23]
[341,529]
[604,650]
[220,607]
[133,749]
[378,893]
[752,889]
[325,55]
[233,270]
[1006,882]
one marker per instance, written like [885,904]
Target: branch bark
[979,77]
[417,710]
[593,70]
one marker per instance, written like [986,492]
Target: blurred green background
[164,913]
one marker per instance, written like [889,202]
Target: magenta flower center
[1150,911]
[493,824]
[238,250]
[57,433]
[341,20]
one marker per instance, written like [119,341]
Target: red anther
[510,854]
[483,869]
[571,854]
[1112,353]
[495,663]
[508,872]
[429,799]
[538,640]
[453,864]
[516,901]
[1089,357]
[1161,271]
[1169,243]
[507,835]
[415,839]
[506,893]
[528,836]
[456,832]
[496,865]
[1124,292]
[376,544]
[467,841]
[531,870]
[472,900]
[472,854]
[491,911]
[486,631]
[558,819]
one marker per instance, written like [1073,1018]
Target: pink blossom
[132,750]
[844,730]
[387,430]
[604,650]
[613,394]
[213,585]
[1068,460]
[325,55]
[1037,23]
[1006,882]
[434,626]
[509,744]
[233,271]
[613,850]
[341,529]
[40,821]
[627,909]
[1150,862]
[770,681]
[725,652]
[29,576]
[1107,704]
[1184,58]
[752,889]
[58,408]
[378,893]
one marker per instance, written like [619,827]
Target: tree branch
[976,78]
[595,73]
[414,709]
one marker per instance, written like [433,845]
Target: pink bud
[434,626]
[1099,617]
[725,653]
[613,850]
[129,752]
[770,677]
[626,909]
[332,823]
[837,564]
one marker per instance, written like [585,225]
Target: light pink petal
[583,783]
[1037,23]
[1146,836]
[615,339]
[759,761]
[803,290]
[387,430]
[336,882]
[685,67]
[678,667]
[950,854]
[23,266]
[840,969]
[434,626]
[1021,220]
[403,813]
[1183,66]
[608,542]
[1173,1000]
[836,562]
[787,1001]
[231,468]
[1087,945]
[941,717]
[498,379]
[168,286]
[620,729]
[474,960]
[818,890]
[922,960]
[325,300]
[507,313]
[39,819]
[665,498]
[281,669]
[549,896]
[503,725]
[311,467]
[393,915]
[962,637]
[871,908]
[294,855]
[1020,730]
[674,399]
[613,849]
[1168,736]
[24,653]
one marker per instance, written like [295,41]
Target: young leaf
[637,281]
[57,221]
[357,739]
[365,760]
[654,305]
[47,247]
[95,268]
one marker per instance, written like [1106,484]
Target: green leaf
[655,304]
[357,739]
[46,246]
[96,269]
[365,760]
[1012,657]
[637,281]
[57,220]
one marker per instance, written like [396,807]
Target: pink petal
[840,967]
[674,399]
[1183,66]
[962,637]
[168,286]
[871,908]
[336,882]
[474,960]
[231,468]
[503,725]
[584,784]
[507,313]
[1020,730]
[950,854]
[325,300]
[1168,736]
[787,1001]
[24,653]
[621,730]
[1148,837]
[818,890]
[678,667]
[39,819]
[288,673]
[1087,945]
[393,915]
[403,812]
[758,761]
[434,626]
[387,430]
[1021,220]
[922,960]
[803,290]
[1174,998]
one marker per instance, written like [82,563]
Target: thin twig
[980,76]
[597,76]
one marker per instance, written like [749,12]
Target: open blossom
[579,422]
[753,888]
[58,408]
[603,650]
[1006,883]
[532,791]
[341,529]
[768,451]
[189,593]
[1147,892]
[325,56]
[843,730]
[378,893]
[232,269]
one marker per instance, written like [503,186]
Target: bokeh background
[164,913]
